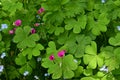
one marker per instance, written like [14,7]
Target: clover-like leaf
[60,68]
[69,40]
[11,6]
[100,25]
[76,25]
[68,66]
[23,39]
[91,58]
[82,41]
[115,41]
[111,56]
[35,51]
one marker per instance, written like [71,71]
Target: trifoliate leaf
[91,58]
[23,39]
[82,41]
[59,67]
[76,25]
[100,25]
[115,41]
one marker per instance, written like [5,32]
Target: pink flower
[17,22]
[11,31]
[61,53]
[33,31]
[36,24]
[41,10]
[51,57]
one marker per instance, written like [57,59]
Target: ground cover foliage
[60,39]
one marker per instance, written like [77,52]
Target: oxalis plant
[60,39]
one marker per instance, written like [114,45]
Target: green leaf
[117,3]
[64,1]
[99,25]
[59,30]
[71,11]
[20,60]
[88,72]
[91,58]
[115,41]
[79,71]
[68,66]
[93,63]
[111,57]
[83,41]
[91,49]
[25,68]
[59,67]
[88,78]
[13,73]
[100,74]
[56,70]
[76,25]
[32,63]
[47,63]
[23,39]
[35,51]
[52,48]
[11,6]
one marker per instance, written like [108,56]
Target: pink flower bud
[61,53]
[33,31]
[17,22]
[51,57]
[41,10]
[14,29]
[36,24]
[11,31]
